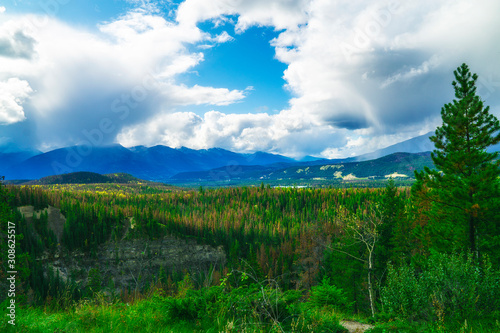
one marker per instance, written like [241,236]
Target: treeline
[295,236]
[282,233]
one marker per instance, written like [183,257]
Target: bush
[190,307]
[381,317]
[254,304]
[396,327]
[403,294]
[318,321]
[447,287]
[326,294]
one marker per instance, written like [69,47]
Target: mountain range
[396,165]
[156,163]
[165,164]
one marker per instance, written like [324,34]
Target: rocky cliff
[127,263]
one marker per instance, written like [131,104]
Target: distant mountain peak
[157,163]
[417,144]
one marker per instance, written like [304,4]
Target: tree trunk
[370,286]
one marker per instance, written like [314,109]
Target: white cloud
[125,72]
[238,132]
[223,38]
[281,14]
[13,92]
[15,43]
[385,67]
[363,75]
[215,129]
[409,74]
[196,95]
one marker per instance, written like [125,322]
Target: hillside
[398,165]
[11,157]
[85,177]
[103,261]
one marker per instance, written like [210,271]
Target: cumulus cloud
[241,132]
[182,95]
[363,75]
[125,72]
[214,129]
[280,14]
[13,92]
[223,38]
[385,66]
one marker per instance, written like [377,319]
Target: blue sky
[295,77]
[84,13]
[246,61]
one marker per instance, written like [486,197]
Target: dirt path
[355,327]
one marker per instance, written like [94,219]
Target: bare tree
[364,230]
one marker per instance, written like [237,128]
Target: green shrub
[253,304]
[381,317]
[190,307]
[448,287]
[395,327]
[318,321]
[326,294]
[403,295]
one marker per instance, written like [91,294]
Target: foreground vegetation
[241,304]
[297,260]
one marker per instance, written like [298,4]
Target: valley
[112,239]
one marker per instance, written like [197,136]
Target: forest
[423,258]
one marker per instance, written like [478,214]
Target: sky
[325,78]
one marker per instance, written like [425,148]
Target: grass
[151,315]
[479,326]
[91,316]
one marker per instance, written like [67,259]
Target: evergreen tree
[391,210]
[94,281]
[5,211]
[464,186]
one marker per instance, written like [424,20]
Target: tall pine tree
[464,186]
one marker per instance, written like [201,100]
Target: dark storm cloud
[346,120]
[363,75]
[88,86]
[19,45]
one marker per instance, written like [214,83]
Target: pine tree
[464,185]
[392,212]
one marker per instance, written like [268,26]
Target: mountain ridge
[157,163]
[396,165]
[162,163]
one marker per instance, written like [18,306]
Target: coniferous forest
[423,258]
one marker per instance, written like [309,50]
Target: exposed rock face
[56,220]
[135,263]
[126,263]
